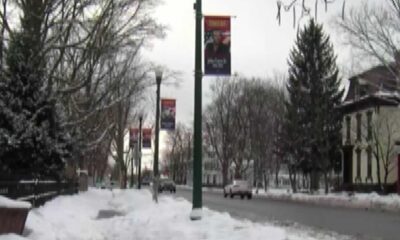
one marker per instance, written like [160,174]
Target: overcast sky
[260,46]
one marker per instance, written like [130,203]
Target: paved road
[362,224]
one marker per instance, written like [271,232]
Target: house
[212,174]
[371,130]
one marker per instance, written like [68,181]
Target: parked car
[167,185]
[238,187]
[146,182]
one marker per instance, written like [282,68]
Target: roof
[374,87]
[373,80]
[369,101]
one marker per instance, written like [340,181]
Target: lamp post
[140,152]
[197,136]
[158,73]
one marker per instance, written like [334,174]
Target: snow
[139,218]
[9,203]
[357,200]
[196,214]
[11,237]
[389,202]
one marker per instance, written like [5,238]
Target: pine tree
[32,141]
[314,93]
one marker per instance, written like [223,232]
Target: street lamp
[158,73]
[197,136]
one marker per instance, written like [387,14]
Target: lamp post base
[196,214]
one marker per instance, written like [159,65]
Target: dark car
[167,185]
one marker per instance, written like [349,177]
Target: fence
[36,191]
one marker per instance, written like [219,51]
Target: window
[356,90]
[348,129]
[363,89]
[369,125]
[358,118]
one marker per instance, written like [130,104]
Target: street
[362,224]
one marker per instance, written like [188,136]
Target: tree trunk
[314,186]
[255,174]
[326,182]
[293,180]
[224,174]
[386,176]
[2,34]
[123,177]
[266,181]
[120,147]
[238,174]
[378,171]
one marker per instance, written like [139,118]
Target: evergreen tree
[314,93]
[32,141]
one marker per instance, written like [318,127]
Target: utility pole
[196,213]
[140,152]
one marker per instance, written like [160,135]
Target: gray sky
[259,47]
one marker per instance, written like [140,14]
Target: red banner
[217,42]
[168,112]
[146,138]
[133,136]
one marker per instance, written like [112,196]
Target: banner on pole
[133,137]
[168,112]
[146,138]
[217,45]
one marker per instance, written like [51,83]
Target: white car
[238,187]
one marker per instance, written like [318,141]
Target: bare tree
[264,110]
[305,8]
[374,31]
[179,153]
[3,29]
[385,132]
[92,66]
[241,124]
[219,125]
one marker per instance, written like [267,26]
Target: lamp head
[159,74]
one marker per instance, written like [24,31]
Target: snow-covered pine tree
[314,91]
[32,141]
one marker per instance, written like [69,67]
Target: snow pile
[9,203]
[359,200]
[76,217]
[389,202]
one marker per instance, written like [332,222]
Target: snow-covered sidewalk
[137,217]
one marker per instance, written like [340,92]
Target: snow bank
[356,200]
[11,237]
[75,217]
[9,203]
